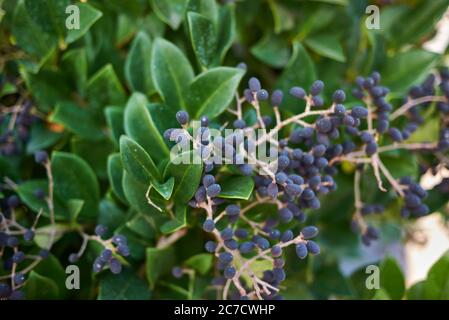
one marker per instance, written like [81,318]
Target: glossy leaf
[88,16]
[124,286]
[392,279]
[171,12]
[138,64]
[139,125]
[204,39]
[237,188]
[171,72]
[158,262]
[212,91]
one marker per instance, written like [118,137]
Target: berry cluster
[19,120]
[308,157]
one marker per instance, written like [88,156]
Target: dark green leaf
[124,286]
[74,179]
[88,16]
[204,39]
[104,88]
[392,279]
[139,125]
[171,72]
[212,91]
[237,188]
[40,287]
[201,262]
[327,45]
[178,222]
[272,50]
[94,152]
[436,286]
[158,262]
[138,64]
[115,174]
[171,12]
[114,119]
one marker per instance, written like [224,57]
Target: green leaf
[137,162]
[88,16]
[124,286]
[43,234]
[272,50]
[401,164]
[300,71]
[381,294]
[207,8]
[139,125]
[237,188]
[52,268]
[94,152]
[177,223]
[114,119]
[135,193]
[29,36]
[226,29]
[26,192]
[171,72]
[283,18]
[48,15]
[327,45]
[74,64]
[40,287]
[416,291]
[143,225]
[115,175]
[41,138]
[104,88]
[165,189]
[74,179]
[436,286]
[212,91]
[392,279]
[138,64]
[111,215]
[203,37]
[187,177]
[407,68]
[421,21]
[158,262]
[170,12]
[201,262]
[77,119]
[74,207]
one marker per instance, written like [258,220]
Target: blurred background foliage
[80,82]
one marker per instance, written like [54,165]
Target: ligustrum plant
[187,150]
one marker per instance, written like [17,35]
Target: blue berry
[279,274]
[28,235]
[12,241]
[287,236]
[106,255]
[275,234]
[44,254]
[229,272]
[213,190]
[119,239]
[177,272]
[301,250]
[209,225]
[272,190]
[227,233]
[182,117]
[313,247]
[100,230]
[19,278]
[41,157]
[339,96]
[98,265]
[359,112]
[254,84]
[210,246]
[276,251]
[276,98]
[395,134]
[39,193]
[208,180]
[241,233]
[262,95]
[232,210]
[262,243]
[298,92]
[123,250]
[309,232]
[5,290]
[225,257]
[73,258]
[324,125]
[239,124]
[13,201]
[231,244]
[317,87]
[115,266]
[246,247]
[279,263]
[286,215]
[340,109]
